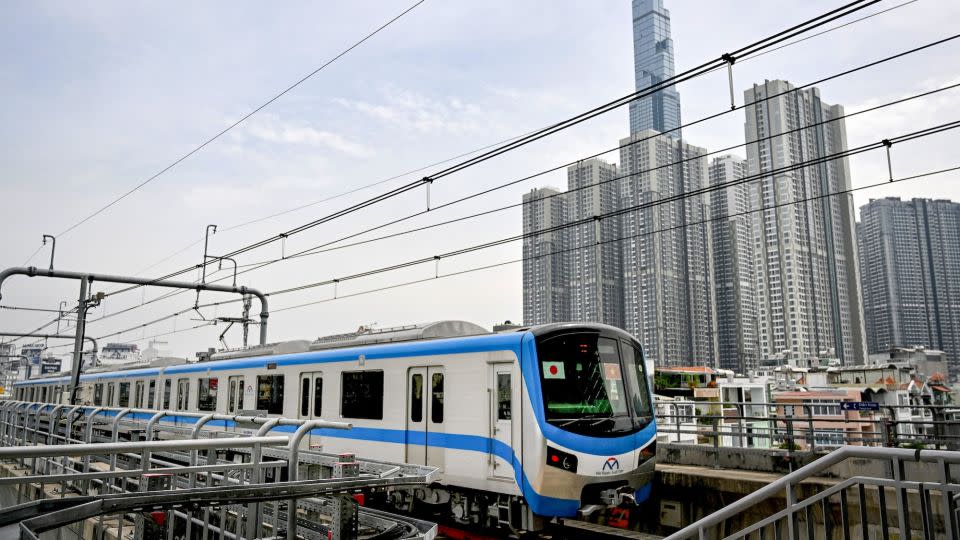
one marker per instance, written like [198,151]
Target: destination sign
[859,406]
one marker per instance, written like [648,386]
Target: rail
[228,480]
[929,508]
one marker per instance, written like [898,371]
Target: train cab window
[124,395]
[151,394]
[416,398]
[138,394]
[362,395]
[111,392]
[207,394]
[504,392]
[167,384]
[183,394]
[637,378]
[436,398]
[270,393]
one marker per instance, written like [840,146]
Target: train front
[589,393]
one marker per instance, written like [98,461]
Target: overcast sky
[99,96]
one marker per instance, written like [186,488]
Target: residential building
[544,272]
[910,263]
[595,273]
[818,414]
[733,266]
[807,276]
[667,262]
[653,63]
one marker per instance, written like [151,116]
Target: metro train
[525,426]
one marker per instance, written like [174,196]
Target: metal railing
[928,509]
[220,473]
[806,426]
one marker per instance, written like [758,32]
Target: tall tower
[653,62]
[595,286]
[544,258]
[733,270]
[910,264]
[807,273]
[667,263]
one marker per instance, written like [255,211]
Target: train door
[235,391]
[138,395]
[311,395]
[501,419]
[425,416]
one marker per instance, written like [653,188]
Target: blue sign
[859,406]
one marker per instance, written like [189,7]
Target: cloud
[269,128]
[410,110]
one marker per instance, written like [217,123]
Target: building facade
[595,272]
[807,275]
[910,263]
[544,269]
[666,251]
[733,266]
[653,63]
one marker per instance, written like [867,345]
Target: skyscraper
[733,266]
[806,260]
[544,267]
[910,264]
[653,63]
[595,286]
[667,266]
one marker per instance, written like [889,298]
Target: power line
[241,120]
[773,96]
[596,111]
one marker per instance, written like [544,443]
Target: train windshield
[593,385]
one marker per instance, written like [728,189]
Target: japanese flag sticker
[553,370]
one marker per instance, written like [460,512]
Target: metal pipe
[293,464]
[48,336]
[53,249]
[220,266]
[115,448]
[33,272]
[78,342]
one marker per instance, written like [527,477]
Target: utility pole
[247,300]
[78,341]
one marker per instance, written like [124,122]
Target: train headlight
[561,460]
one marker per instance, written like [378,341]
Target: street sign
[859,406]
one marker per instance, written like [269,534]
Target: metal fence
[897,506]
[189,475]
[806,427]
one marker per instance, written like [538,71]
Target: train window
[416,398]
[151,394]
[207,394]
[183,394]
[43,394]
[637,378]
[270,393]
[317,394]
[98,394]
[305,396]
[503,396]
[436,398]
[167,384]
[111,392]
[138,394]
[232,396]
[124,395]
[362,395]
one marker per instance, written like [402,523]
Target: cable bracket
[730,59]
[888,144]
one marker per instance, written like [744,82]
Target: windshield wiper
[561,422]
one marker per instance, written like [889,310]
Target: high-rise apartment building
[807,275]
[666,251]
[653,63]
[733,266]
[544,269]
[595,286]
[910,264]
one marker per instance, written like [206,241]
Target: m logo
[611,464]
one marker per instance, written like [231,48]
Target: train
[543,422]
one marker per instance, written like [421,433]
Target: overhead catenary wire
[241,120]
[757,46]
[465,154]
[769,97]
[679,197]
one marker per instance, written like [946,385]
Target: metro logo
[612,464]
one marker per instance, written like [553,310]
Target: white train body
[534,423]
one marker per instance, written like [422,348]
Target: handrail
[812,469]
[56,450]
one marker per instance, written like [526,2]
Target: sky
[100,96]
